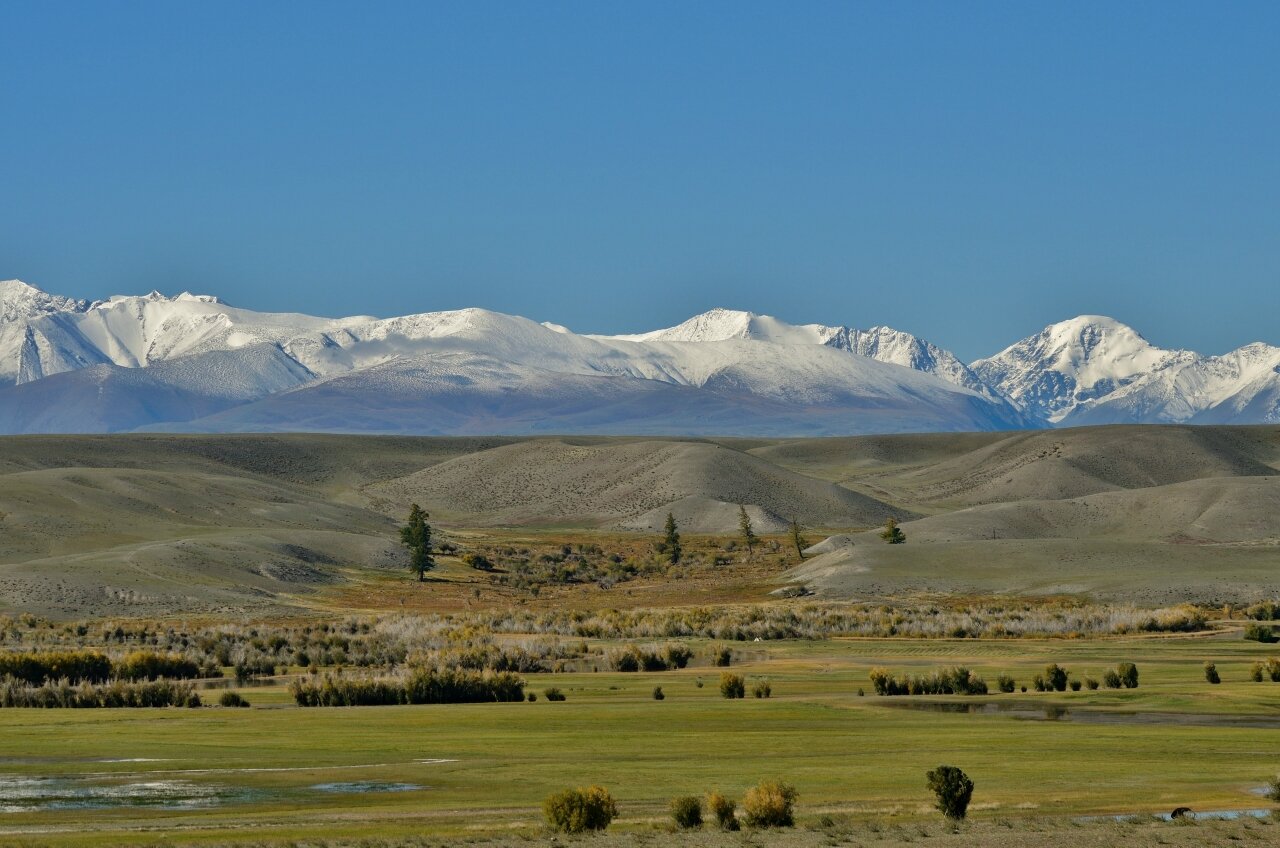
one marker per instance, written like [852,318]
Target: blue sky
[966,171]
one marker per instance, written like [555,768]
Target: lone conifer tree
[749,538]
[892,533]
[416,537]
[672,540]
[797,539]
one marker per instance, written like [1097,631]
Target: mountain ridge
[195,362]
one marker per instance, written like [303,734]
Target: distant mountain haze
[194,363]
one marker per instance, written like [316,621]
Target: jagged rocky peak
[19,300]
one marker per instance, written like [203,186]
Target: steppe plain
[191,532]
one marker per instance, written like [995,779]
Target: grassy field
[264,774]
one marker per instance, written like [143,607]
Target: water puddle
[34,794]
[363,786]
[1082,715]
[1194,815]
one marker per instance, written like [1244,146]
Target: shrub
[532,696]
[677,656]
[1075,685]
[1273,669]
[232,699]
[763,689]
[687,811]
[1128,674]
[769,804]
[1255,672]
[948,681]
[421,686]
[149,665]
[1211,673]
[1260,633]
[553,694]
[953,789]
[723,809]
[1273,790]
[658,694]
[732,685]
[1005,683]
[116,693]
[1112,680]
[724,658]
[71,666]
[579,810]
[1091,683]
[1055,677]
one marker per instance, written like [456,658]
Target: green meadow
[280,773]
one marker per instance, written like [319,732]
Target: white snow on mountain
[881,343]
[157,361]
[1096,370]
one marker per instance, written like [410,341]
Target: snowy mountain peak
[1070,364]
[719,324]
[19,300]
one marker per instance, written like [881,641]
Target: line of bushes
[88,666]
[419,686]
[63,694]
[633,658]
[957,680]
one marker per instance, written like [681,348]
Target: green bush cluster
[633,658]
[152,665]
[232,699]
[724,809]
[420,686]
[958,680]
[732,685]
[769,804]
[953,790]
[114,694]
[1264,670]
[686,811]
[35,668]
[1264,633]
[579,810]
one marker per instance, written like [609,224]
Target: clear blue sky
[966,171]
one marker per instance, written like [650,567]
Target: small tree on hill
[953,789]
[749,538]
[416,537]
[892,533]
[671,542]
[796,539]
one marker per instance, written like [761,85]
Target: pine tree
[416,537]
[892,533]
[749,538]
[672,541]
[797,539]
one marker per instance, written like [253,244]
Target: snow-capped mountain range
[195,363]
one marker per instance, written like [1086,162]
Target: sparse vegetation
[953,790]
[232,699]
[951,681]
[419,686]
[724,809]
[686,812]
[892,533]
[770,803]
[580,810]
[732,685]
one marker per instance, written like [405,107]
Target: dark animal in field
[1182,813]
